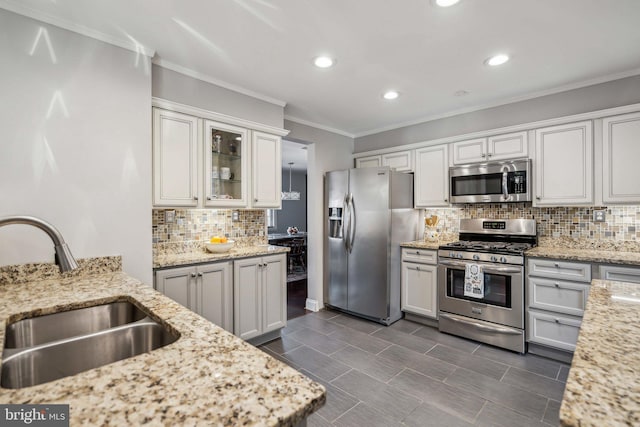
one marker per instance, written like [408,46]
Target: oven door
[503,300]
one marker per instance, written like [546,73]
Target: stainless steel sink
[65,324]
[44,361]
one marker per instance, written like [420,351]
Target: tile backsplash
[622,223]
[201,224]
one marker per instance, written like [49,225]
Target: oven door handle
[479,326]
[484,267]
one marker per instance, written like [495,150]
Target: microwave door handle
[505,187]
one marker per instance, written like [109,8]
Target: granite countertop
[607,256]
[603,387]
[422,244]
[197,255]
[207,377]
[286,235]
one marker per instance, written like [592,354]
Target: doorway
[288,226]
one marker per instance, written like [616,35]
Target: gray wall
[293,212]
[327,151]
[76,145]
[173,86]
[591,98]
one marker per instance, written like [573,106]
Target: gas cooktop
[509,248]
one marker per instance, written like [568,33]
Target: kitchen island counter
[603,387]
[207,377]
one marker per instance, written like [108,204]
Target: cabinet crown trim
[211,115]
[592,115]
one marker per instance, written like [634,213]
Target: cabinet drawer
[622,274]
[553,269]
[425,256]
[553,330]
[558,296]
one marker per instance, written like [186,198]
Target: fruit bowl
[220,247]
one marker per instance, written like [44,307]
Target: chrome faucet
[64,259]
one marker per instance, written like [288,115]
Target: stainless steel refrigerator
[369,212]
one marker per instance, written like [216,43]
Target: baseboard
[311,304]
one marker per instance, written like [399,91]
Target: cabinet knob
[417,252]
[195,198]
[537,197]
[255,200]
[193,274]
[556,264]
[208,198]
[489,155]
[557,285]
[446,200]
[199,274]
[418,268]
[483,155]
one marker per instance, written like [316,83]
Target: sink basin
[60,354]
[65,324]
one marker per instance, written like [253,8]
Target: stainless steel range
[481,281]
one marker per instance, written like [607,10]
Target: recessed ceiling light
[323,62]
[497,60]
[391,94]
[461,93]
[446,3]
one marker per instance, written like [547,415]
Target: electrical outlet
[235,216]
[599,215]
[169,216]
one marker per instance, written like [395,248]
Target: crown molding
[538,94]
[206,78]
[21,9]
[318,126]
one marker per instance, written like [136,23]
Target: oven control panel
[481,257]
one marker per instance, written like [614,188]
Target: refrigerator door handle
[352,222]
[346,214]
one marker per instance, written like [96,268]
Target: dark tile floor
[413,375]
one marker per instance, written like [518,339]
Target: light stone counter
[207,377]
[423,244]
[588,255]
[198,255]
[603,387]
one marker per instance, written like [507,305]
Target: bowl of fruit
[219,244]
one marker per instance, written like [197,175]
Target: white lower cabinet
[619,273]
[557,293]
[260,298]
[419,282]
[205,289]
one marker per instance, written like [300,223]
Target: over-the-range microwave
[502,182]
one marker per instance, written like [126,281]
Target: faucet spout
[64,259]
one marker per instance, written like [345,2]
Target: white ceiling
[296,153]
[425,52]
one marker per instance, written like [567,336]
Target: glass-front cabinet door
[226,165]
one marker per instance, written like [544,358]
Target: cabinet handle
[537,197]
[489,155]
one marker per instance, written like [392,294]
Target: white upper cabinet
[431,181]
[225,165]
[267,170]
[369,162]
[473,150]
[620,155]
[401,161]
[499,147]
[199,161]
[175,159]
[508,146]
[564,165]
